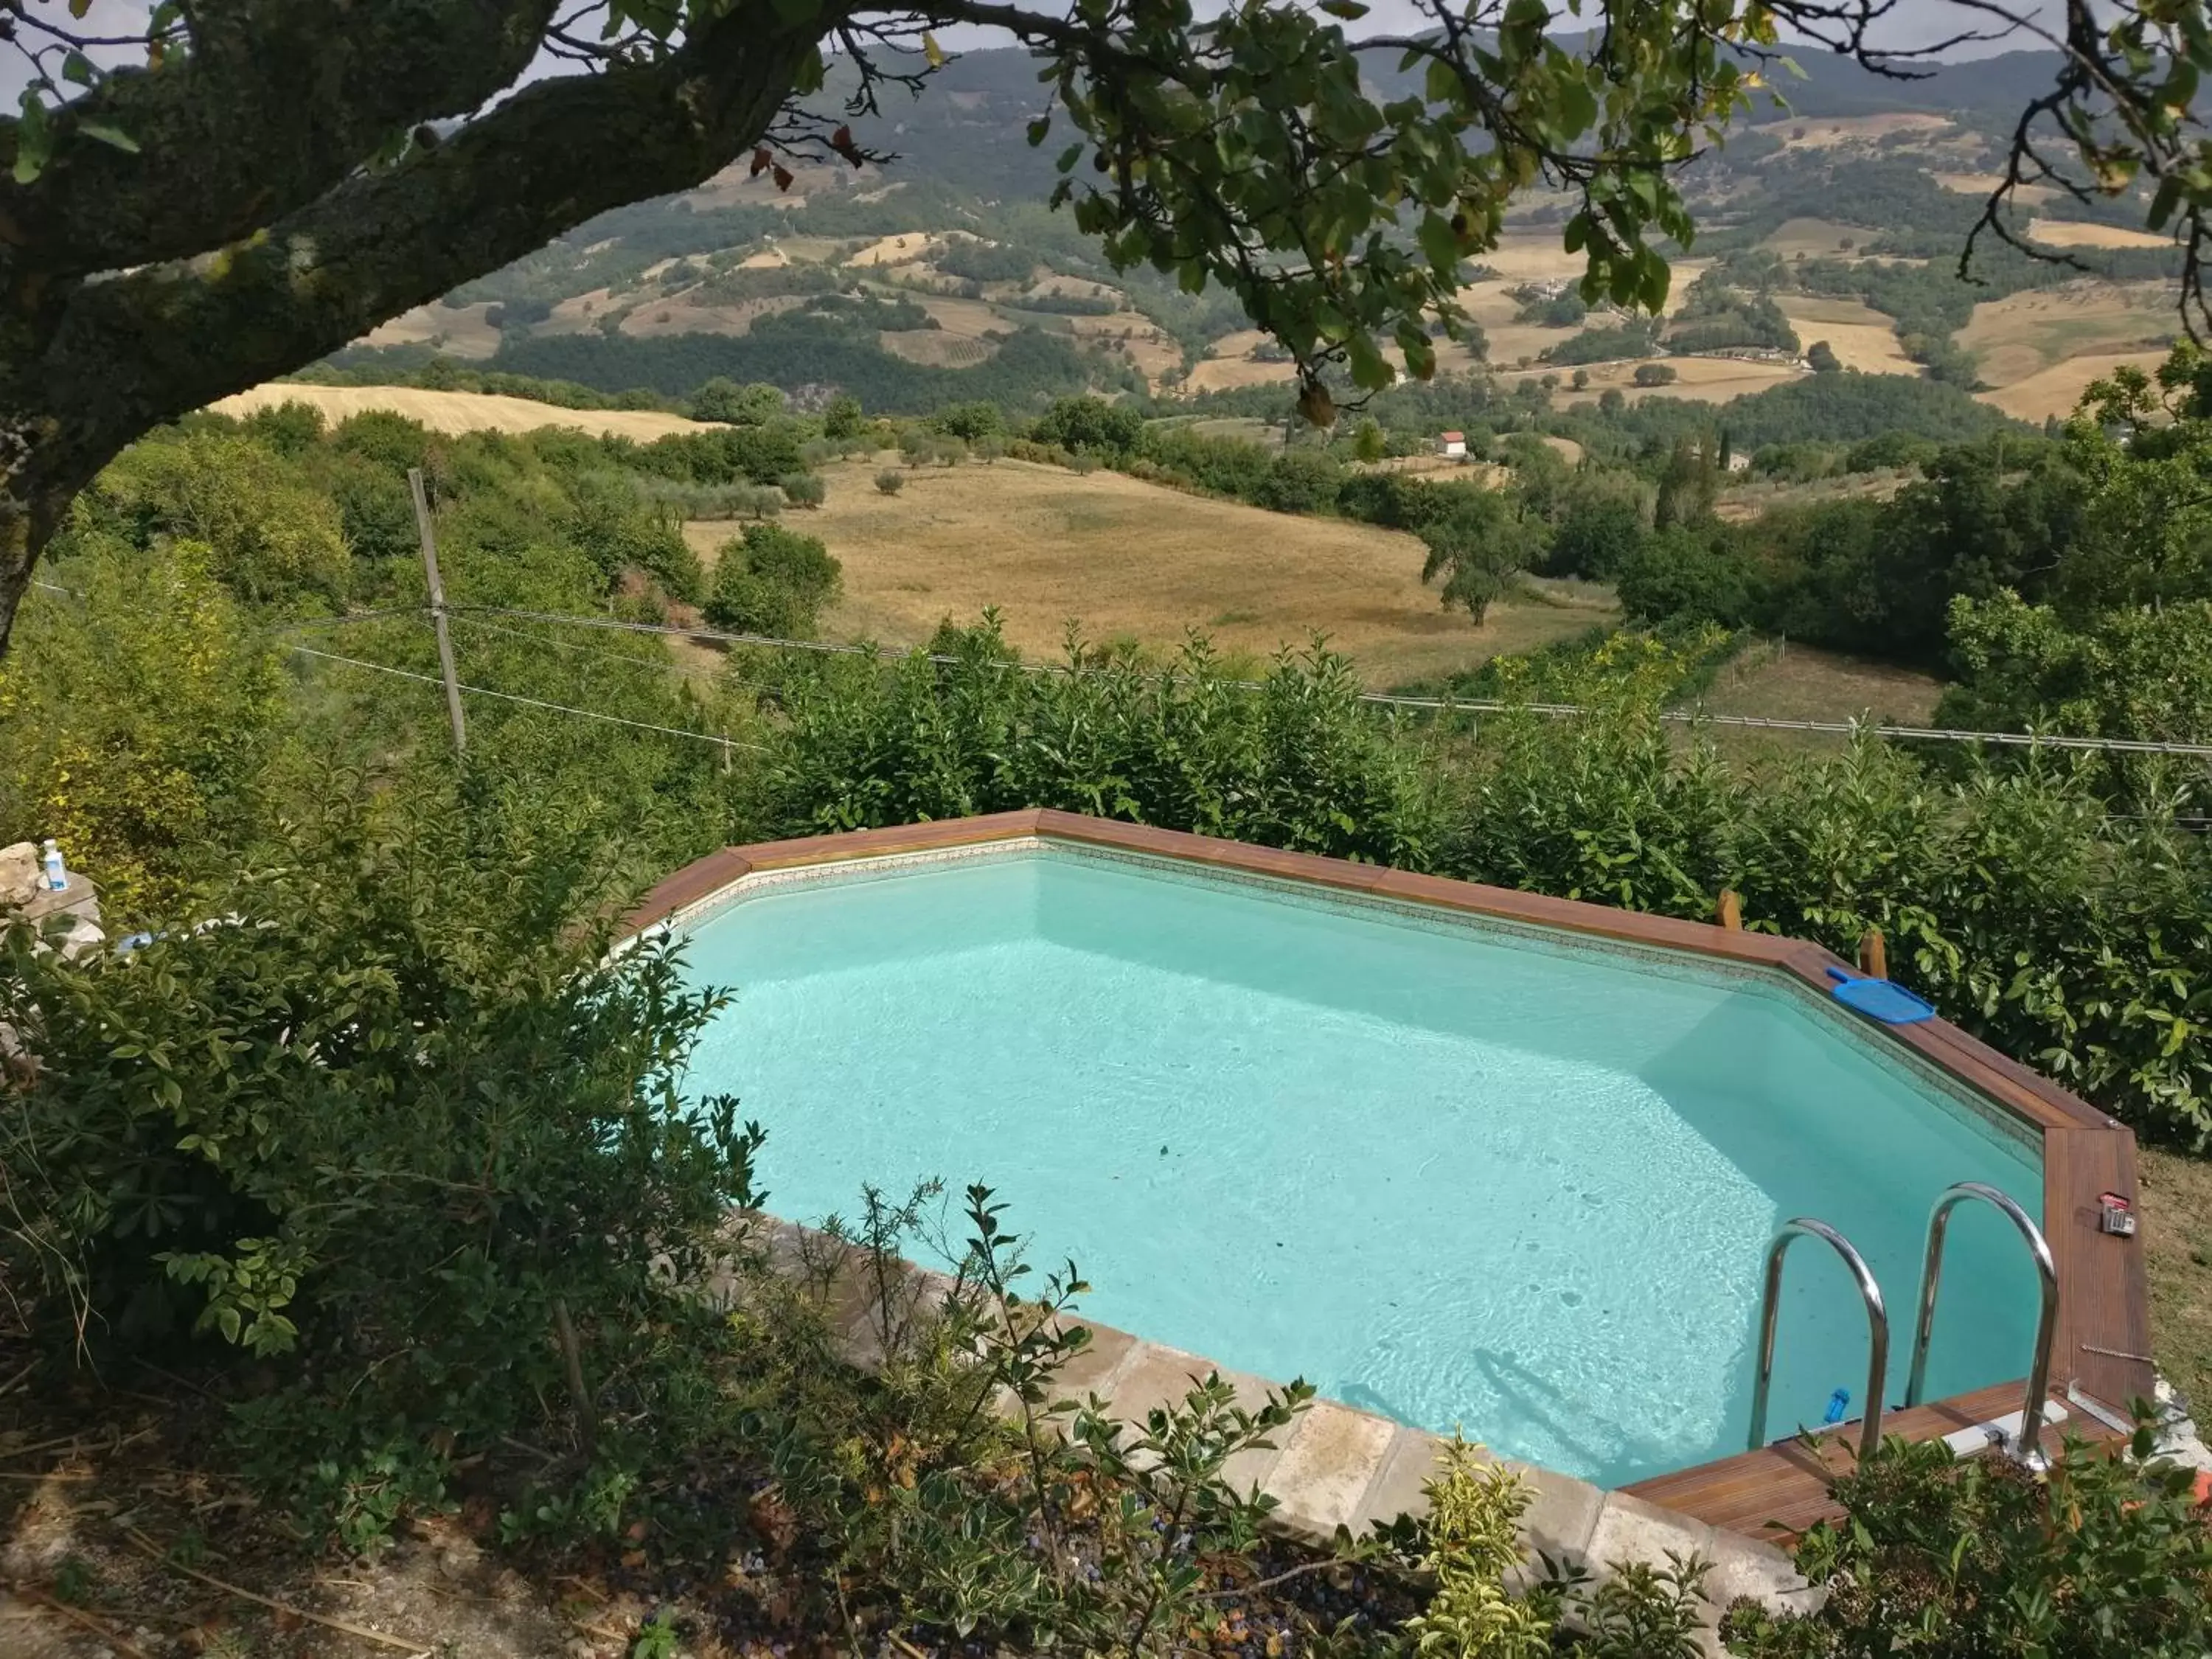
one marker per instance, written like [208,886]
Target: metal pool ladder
[2028,1445]
[1770,1313]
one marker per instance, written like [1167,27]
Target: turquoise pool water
[1452,1173]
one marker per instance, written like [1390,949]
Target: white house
[1453,444]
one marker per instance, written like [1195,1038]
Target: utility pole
[438,609]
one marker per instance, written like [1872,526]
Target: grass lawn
[2177,1230]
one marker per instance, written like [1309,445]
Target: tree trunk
[89,362]
[40,473]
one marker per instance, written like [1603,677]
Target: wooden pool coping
[2103,1339]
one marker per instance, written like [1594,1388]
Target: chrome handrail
[1770,1314]
[2029,1446]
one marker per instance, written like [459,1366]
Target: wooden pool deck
[2103,1339]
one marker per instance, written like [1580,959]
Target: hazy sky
[1908,23]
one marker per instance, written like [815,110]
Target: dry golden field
[913,247]
[578,313]
[1861,336]
[1816,239]
[2056,390]
[457,411]
[1831,131]
[459,333]
[2037,350]
[1713,379]
[1981,184]
[680,314]
[1134,560]
[935,347]
[2072,232]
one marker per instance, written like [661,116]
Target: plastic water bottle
[56,871]
[1839,1403]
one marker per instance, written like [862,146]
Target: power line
[662,663]
[1382,699]
[1474,705]
[724,744]
[352,616]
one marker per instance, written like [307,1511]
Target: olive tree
[232,189]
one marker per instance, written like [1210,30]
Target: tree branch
[133,351]
[277,102]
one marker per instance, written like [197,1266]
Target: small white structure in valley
[1452,444]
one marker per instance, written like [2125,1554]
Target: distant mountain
[966,129]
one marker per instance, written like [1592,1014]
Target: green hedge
[2078,943]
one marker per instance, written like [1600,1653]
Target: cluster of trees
[1732,304]
[837,347]
[985,262]
[1634,337]
[2067,581]
[1563,308]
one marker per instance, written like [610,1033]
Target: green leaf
[77,68]
[1439,241]
[1369,372]
[108,134]
[34,138]
[1351,10]
[1038,128]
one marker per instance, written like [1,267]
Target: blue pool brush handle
[1839,1403]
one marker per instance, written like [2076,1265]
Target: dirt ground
[456,411]
[1136,561]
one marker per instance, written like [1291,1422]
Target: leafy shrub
[1637,338]
[616,534]
[1654,374]
[269,537]
[723,399]
[392,1126]
[1477,550]
[890,482]
[1296,764]
[1686,576]
[1980,1557]
[1299,480]
[1081,424]
[771,580]
[1597,539]
[803,488]
[135,722]
[1474,1540]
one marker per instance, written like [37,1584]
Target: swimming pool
[1452,1171]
